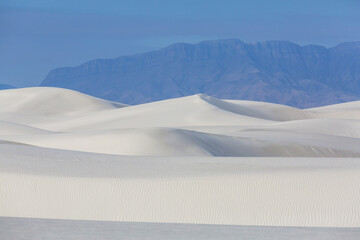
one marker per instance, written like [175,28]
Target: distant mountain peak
[274,71]
[5,86]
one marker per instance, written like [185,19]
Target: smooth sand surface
[50,229]
[46,183]
[196,159]
[197,125]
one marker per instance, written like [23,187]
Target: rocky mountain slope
[271,71]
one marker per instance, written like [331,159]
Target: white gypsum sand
[56,229]
[195,159]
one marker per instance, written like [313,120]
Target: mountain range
[272,71]
[5,86]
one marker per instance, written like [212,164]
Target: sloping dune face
[197,125]
[195,159]
[51,101]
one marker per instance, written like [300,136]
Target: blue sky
[39,35]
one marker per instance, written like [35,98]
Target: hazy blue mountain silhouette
[272,71]
[5,86]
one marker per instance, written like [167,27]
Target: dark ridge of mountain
[272,71]
[5,86]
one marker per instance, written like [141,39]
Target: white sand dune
[11,129]
[349,110]
[333,127]
[179,142]
[150,142]
[241,191]
[271,111]
[51,101]
[195,159]
[56,229]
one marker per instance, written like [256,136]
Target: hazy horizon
[38,36]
